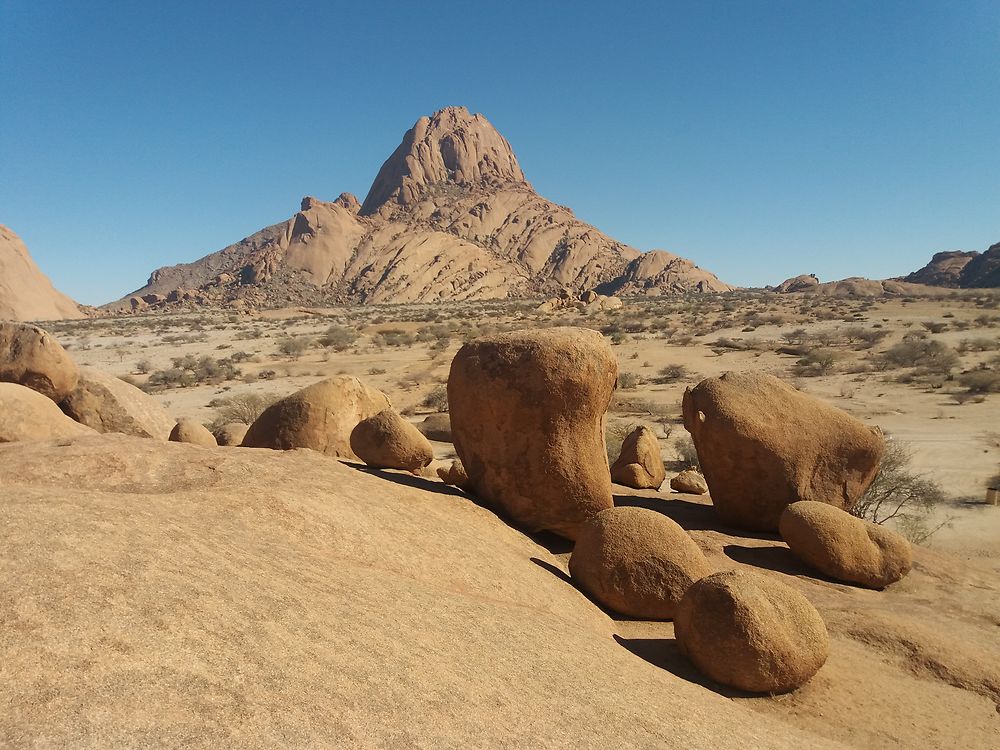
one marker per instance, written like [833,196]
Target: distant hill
[25,292]
[961,269]
[450,216]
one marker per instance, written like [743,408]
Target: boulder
[844,547]
[109,404]
[751,632]
[320,416]
[636,561]
[30,357]
[190,431]
[639,464]
[387,441]
[527,417]
[690,482]
[764,445]
[231,434]
[436,427]
[454,474]
[589,296]
[26,415]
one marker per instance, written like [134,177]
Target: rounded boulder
[188,430]
[30,357]
[26,415]
[231,434]
[751,632]
[844,547]
[387,441]
[690,482]
[109,404]
[639,464]
[636,561]
[527,418]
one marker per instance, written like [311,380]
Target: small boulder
[844,547]
[589,296]
[26,414]
[764,445]
[527,411]
[190,431]
[639,464]
[436,427]
[751,632]
[320,416]
[30,357]
[109,404]
[636,561]
[689,481]
[387,441]
[454,474]
[231,434]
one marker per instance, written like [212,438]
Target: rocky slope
[25,292]
[450,215]
[961,269]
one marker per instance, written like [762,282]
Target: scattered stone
[844,547]
[527,411]
[231,434]
[640,464]
[436,427]
[320,416]
[690,482]
[454,474]
[764,445]
[636,561]
[26,414]
[751,632]
[188,430]
[387,441]
[30,357]
[109,404]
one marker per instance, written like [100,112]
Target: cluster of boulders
[526,417]
[588,300]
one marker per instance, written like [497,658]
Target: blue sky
[761,139]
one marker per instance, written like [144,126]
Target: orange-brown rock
[436,427]
[639,465]
[636,561]
[844,547]
[27,415]
[231,434]
[320,416]
[689,481]
[25,292]
[527,411]
[188,430]
[109,404]
[454,474]
[751,632]
[30,357]
[764,445]
[387,441]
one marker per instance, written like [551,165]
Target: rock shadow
[690,516]
[406,479]
[566,578]
[778,559]
[666,654]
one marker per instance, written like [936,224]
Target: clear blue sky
[761,139]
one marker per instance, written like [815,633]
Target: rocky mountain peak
[452,147]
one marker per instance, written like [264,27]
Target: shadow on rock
[779,559]
[689,516]
[666,654]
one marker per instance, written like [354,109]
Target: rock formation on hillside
[25,292]
[450,215]
[961,269]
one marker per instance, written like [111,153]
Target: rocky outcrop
[751,632]
[527,417]
[636,561]
[797,284]
[27,415]
[944,269]
[639,465]
[320,416]
[450,216]
[109,404]
[844,547]
[763,445]
[25,292]
[982,271]
[387,441]
[30,357]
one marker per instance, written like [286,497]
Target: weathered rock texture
[968,270]
[844,547]
[689,481]
[188,430]
[436,427]
[387,441]
[639,464]
[454,474]
[636,561]
[109,404]
[320,416]
[763,445]
[25,292]
[450,216]
[751,632]
[231,434]
[797,283]
[527,417]
[30,357]
[26,414]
